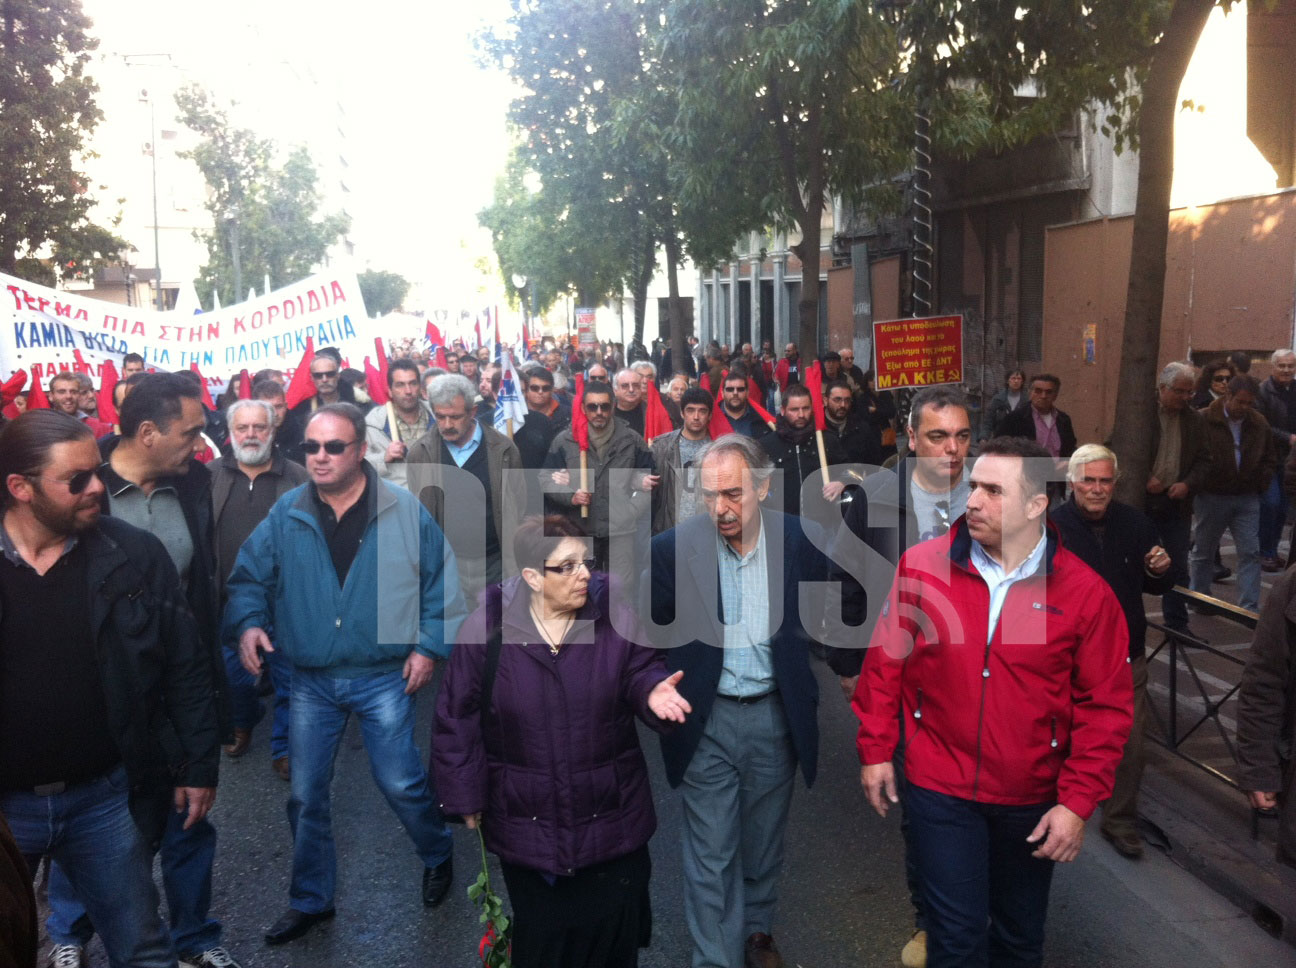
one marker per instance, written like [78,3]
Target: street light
[147,60]
[236,255]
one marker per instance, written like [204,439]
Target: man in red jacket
[1004,659]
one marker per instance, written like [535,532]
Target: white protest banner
[43,330]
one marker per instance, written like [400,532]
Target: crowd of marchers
[667,543]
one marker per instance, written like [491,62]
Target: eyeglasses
[598,408]
[539,388]
[735,389]
[568,568]
[333,447]
[77,483]
[324,375]
[1222,378]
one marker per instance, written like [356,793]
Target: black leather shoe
[293,924]
[436,882]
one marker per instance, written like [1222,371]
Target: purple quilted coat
[557,772]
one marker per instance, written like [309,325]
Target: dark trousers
[1176,537]
[984,896]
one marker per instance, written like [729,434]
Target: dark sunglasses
[324,375]
[1223,378]
[540,388]
[568,568]
[333,447]
[598,407]
[77,483]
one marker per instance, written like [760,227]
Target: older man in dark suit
[726,605]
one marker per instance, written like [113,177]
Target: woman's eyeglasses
[1222,378]
[568,568]
[333,447]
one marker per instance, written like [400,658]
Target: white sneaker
[216,957]
[67,956]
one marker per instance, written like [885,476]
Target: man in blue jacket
[360,642]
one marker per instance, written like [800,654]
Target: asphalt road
[843,901]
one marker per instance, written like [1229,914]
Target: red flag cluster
[656,420]
[301,386]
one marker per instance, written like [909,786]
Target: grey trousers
[737,791]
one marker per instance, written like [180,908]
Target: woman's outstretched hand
[666,703]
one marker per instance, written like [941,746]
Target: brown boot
[281,768]
[242,743]
[761,952]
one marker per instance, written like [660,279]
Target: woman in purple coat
[552,769]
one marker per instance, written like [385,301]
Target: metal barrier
[1184,653]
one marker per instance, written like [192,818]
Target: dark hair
[536,537]
[1243,382]
[838,384]
[696,396]
[62,376]
[132,358]
[1016,371]
[535,371]
[404,363]
[353,376]
[262,375]
[797,390]
[332,353]
[832,356]
[25,444]
[1046,378]
[1209,370]
[347,411]
[1036,473]
[598,387]
[267,390]
[157,399]
[1241,361]
[938,398]
[134,379]
[737,371]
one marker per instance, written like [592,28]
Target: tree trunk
[807,250]
[1141,341]
[678,344]
[647,262]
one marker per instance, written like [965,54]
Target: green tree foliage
[47,109]
[783,106]
[266,216]
[383,292]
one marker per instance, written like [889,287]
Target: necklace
[554,643]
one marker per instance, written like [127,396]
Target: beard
[254,454]
[63,520]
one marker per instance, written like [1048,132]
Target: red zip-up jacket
[1041,712]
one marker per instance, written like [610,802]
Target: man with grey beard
[245,485]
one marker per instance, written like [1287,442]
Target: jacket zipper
[1053,734]
[985,674]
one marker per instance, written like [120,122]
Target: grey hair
[752,453]
[1177,371]
[441,391]
[1280,352]
[1088,454]
[645,365]
[266,407]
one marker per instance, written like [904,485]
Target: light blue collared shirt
[463,452]
[998,582]
[748,668]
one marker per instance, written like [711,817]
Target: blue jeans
[984,896]
[187,859]
[245,704]
[1240,513]
[1273,516]
[88,829]
[321,706]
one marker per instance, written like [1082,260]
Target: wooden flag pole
[823,456]
[508,425]
[584,480]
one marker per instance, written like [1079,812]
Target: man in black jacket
[795,454]
[859,440]
[1121,544]
[107,721]
[152,481]
[1040,420]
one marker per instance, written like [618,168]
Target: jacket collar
[188,486]
[960,549]
[380,498]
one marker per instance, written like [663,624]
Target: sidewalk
[1204,825]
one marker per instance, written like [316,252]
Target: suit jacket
[1020,423]
[792,558]
[1194,463]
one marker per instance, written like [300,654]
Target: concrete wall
[1230,284]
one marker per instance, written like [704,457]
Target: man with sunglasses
[326,374]
[620,476]
[547,415]
[153,481]
[372,601]
[99,657]
[742,417]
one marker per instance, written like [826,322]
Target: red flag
[207,400]
[814,383]
[12,387]
[435,344]
[720,424]
[656,420]
[245,386]
[108,379]
[580,423]
[376,382]
[36,400]
[301,386]
[764,414]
